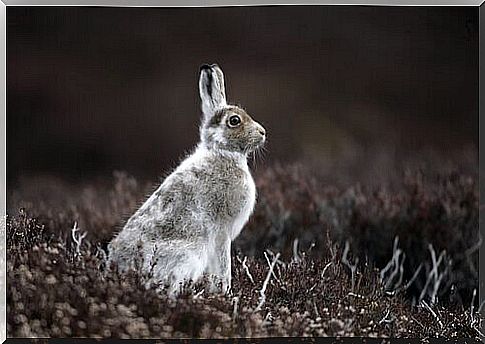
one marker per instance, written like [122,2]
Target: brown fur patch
[215,120]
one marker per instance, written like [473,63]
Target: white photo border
[177,3]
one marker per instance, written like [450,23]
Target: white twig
[246,268]
[235,300]
[262,298]
[325,269]
[78,239]
[480,333]
[432,313]
[296,256]
[472,306]
[390,263]
[384,319]
[102,254]
[481,306]
[312,245]
[273,255]
[272,271]
[352,268]
[267,318]
[417,322]
[397,265]
[434,276]
[312,287]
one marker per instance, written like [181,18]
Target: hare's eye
[234,121]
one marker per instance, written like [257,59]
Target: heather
[321,256]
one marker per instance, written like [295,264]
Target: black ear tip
[205,67]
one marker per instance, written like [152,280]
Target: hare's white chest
[248,205]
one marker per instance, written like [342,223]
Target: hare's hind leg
[122,254]
[176,267]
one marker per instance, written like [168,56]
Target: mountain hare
[185,228]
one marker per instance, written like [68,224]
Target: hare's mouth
[256,144]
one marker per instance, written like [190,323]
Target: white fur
[185,228]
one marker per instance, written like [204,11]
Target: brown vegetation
[314,260]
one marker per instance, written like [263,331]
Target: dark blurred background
[93,89]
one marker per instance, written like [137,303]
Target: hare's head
[226,127]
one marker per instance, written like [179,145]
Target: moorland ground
[320,256]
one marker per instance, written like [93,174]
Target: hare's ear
[211,88]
